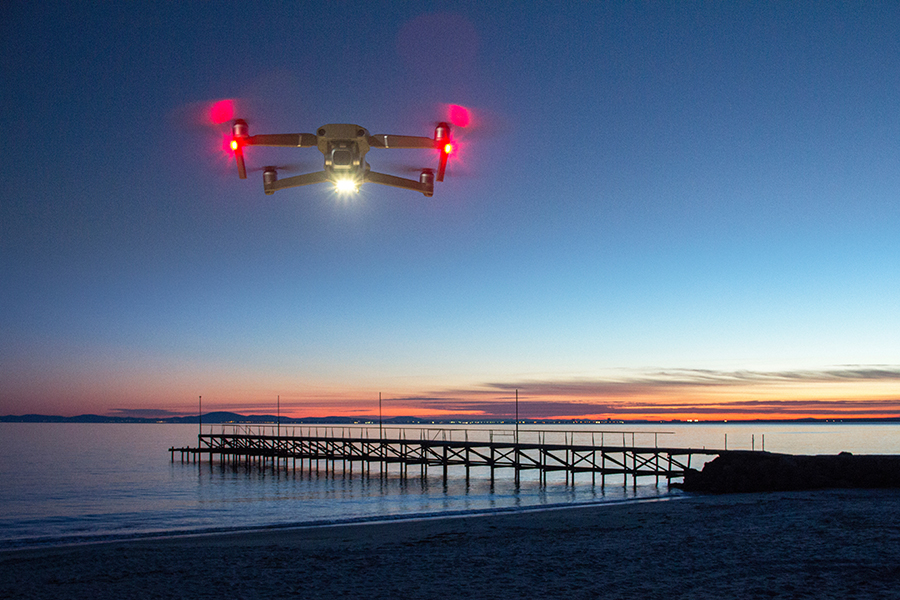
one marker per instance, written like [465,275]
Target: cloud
[678,379]
[673,392]
[546,409]
[844,391]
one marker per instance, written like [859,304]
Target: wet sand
[824,544]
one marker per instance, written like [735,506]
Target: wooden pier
[598,453]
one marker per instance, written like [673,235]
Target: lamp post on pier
[517,415]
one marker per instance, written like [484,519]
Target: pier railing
[627,454]
[591,437]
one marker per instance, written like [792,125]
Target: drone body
[344,147]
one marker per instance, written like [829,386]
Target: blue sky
[649,192]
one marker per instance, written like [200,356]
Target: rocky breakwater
[748,471]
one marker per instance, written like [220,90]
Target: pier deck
[602,453]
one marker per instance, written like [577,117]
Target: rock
[747,471]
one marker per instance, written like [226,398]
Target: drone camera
[341,158]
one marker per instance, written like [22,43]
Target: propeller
[469,127]
[474,122]
[459,116]
[454,133]
[286,168]
[211,123]
[403,168]
[455,169]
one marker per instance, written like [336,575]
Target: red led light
[230,145]
[448,148]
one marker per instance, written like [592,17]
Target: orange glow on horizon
[684,396]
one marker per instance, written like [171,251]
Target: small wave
[108,538]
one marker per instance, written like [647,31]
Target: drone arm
[239,159]
[400,141]
[442,167]
[290,140]
[400,182]
[307,179]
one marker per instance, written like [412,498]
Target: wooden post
[543,463]
[467,458]
[493,462]
[602,464]
[517,422]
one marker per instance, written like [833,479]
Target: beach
[821,544]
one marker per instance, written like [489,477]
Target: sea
[71,483]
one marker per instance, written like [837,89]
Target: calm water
[75,482]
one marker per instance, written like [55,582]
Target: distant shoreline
[227,418]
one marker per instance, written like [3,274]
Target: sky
[682,210]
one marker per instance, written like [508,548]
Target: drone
[344,147]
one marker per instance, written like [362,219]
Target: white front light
[345,186]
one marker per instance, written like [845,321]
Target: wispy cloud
[677,379]
[674,392]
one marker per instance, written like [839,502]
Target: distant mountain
[214,417]
[78,419]
[208,418]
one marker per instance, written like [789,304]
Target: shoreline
[38,543]
[814,544]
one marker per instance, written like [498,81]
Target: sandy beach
[825,544]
